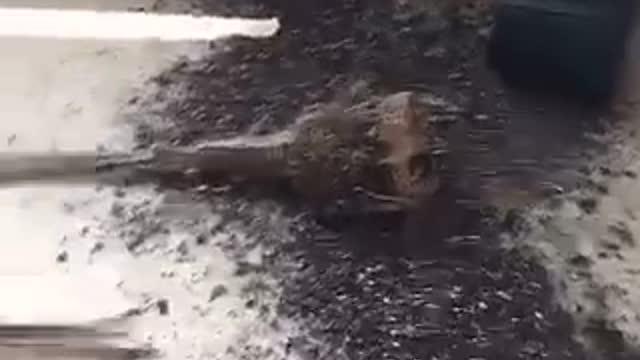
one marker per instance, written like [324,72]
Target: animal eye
[420,162]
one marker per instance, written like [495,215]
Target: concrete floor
[72,94]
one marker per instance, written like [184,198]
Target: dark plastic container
[567,47]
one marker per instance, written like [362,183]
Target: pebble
[202,188]
[481,117]
[218,291]
[97,247]
[630,174]
[504,296]
[436,52]
[163,307]
[485,32]
[201,239]
[117,210]
[588,205]
[183,248]
[580,260]
[62,257]
[250,304]
[456,76]
[623,233]
[84,231]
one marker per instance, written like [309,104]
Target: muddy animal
[376,154]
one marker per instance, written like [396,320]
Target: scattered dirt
[439,284]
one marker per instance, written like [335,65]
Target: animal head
[405,134]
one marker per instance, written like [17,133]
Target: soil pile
[437,285]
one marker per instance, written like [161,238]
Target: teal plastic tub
[568,47]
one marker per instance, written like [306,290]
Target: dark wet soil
[479,303]
[437,285]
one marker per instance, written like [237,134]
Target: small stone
[622,232]
[610,245]
[630,174]
[551,189]
[264,311]
[504,296]
[84,231]
[605,170]
[244,268]
[202,188]
[216,228]
[574,276]
[119,193]
[485,32]
[163,307]
[481,117]
[588,204]
[62,257]
[250,304]
[167,274]
[602,189]
[201,239]
[68,208]
[580,260]
[135,242]
[218,291]
[436,52]
[538,315]
[183,248]
[456,76]
[97,247]
[117,210]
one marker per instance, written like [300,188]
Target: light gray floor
[71,94]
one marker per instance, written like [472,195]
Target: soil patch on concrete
[437,285]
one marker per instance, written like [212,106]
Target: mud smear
[438,284]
